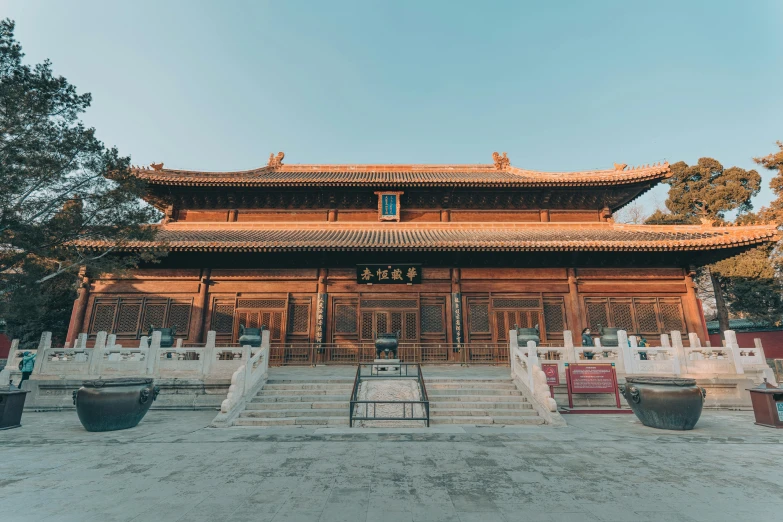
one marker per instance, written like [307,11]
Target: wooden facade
[497,246]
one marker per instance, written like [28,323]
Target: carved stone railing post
[513,350]
[631,366]
[13,363]
[678,352]
[665,341]
[111,341]
[96,359]
[623,351]
[532,361]
[248,369]
[81,341]
[43,345]
[154,354]
[210,354]
[732,347]
[693,340]
[760,350]
[568,345]
[597,342]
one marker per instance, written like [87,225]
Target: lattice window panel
[366,325]
[596,313]
[646,318]
[396,322]
[432,319]
[410,333]
[500,324]
[478,314]
[260,303]
[223,318]
[622,315]
[389,303]
[299,319]
[103,317]
[179,316]
[381,324]
[671,315]
[154,315]
[345,318]
[554,317]
[507,302]
[128,318]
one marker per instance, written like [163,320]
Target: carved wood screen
[257,312]
[389,315]
[522,311]
[344,317]
[433,319]
[131,317]
[636,315]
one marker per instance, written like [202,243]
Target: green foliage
[707,190]
[774,161]
[60,184]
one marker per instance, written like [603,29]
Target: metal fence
[367,410]
[308,354]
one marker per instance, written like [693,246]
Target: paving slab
[598,468]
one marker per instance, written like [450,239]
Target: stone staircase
[285,402]
[478,402]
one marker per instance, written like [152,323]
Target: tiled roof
[402,176]
[321,236]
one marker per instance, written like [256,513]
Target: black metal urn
[667,403]
[250,336]
[387,343]
[114,404]
[166,335]
[609,335]
[11,406]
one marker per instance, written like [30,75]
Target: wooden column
[445,215]
[332,215]
[574,307]
[200,309]
[544,215]
[79,308]
[693,311]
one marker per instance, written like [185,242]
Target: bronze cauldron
[527,334]
[667,403]
[609,335]
[166,335]
[250,336]
[387,343]
[114,404]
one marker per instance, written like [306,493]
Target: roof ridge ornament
[501,162]
[620,166]
[276,161]
[157,166]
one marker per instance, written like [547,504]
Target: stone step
[291,393]
[308,386]
[301,405]
[293,421]
[473,391]
[532,420]
[470,386]
[310,381]
[516,405]
[475,398]
[300,398]
[476,412]
[293,413]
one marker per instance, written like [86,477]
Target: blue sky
[211,85]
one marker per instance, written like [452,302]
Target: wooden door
[506,319]
[255,318]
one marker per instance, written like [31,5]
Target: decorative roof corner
[276,161]
[158,167]
[501,162]
[620,166]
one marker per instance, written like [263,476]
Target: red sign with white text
[592,378]
[552,374]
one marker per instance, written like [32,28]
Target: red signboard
[591,378]
[552,375]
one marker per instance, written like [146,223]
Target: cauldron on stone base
[609,335]
[114,404]
[166,335]
[527,334]
[668,403]
[250,336]
[387,343]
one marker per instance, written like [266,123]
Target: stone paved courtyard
[172,468]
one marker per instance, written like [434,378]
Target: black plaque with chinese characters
[396,274]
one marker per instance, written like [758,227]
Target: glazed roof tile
[402,176]
[271,237]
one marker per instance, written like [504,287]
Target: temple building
[449,255]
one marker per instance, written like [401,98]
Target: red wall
[771,341]
[5,346]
